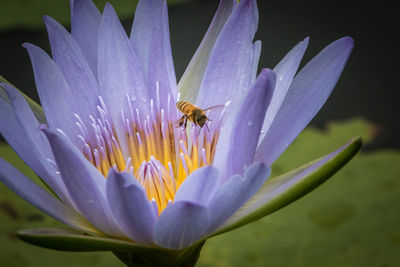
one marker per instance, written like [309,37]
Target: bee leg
[180,121]
[186,119]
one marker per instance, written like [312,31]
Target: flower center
[159,154]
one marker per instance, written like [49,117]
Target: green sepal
[72,240]
[266,201]
[130,253]
[36,108]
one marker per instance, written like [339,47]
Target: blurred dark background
[368,87]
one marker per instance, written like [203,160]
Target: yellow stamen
[159,163]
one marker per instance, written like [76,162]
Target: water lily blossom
[106,142]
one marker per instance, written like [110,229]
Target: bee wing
[217,106]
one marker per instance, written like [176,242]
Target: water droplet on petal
[250,123]
[244,166]
[262,132]
[280,78]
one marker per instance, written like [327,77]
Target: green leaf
[283,190]
[128,252]
[72,240]
[36,108]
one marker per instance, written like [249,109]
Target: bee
[193,113]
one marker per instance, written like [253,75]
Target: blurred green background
[351,220]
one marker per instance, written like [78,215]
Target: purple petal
[229,71]
[130,206]
[309,91]
[85,21]
[200,186]
[235,192]
[28,190]
[190,82]
[55,94]
[119,73]
[86,185]
[239,137]
[151,42]
[285,71]
[181,224]
[19,127]
[69,58]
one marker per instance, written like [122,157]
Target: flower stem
[174,258]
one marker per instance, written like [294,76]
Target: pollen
[159,154]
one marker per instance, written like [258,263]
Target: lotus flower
[107,146]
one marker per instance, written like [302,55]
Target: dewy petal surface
[85,22]
[285,71]
[238,142]
[130,206]
[72,63]
[84,182]
[190,82]
[235,192]
[28,190]
[181,224]
[55,94]
[229,70]
[309,91]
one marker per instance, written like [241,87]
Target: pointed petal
[235,192]
[285,71]
[119,73]
[84,182]
[151,42]
[28,190]
[199,187]
[130,206]
[229,70]
[19,127]
[283,190]
[85,21]
[309,91]
[70,60]
[54,92]
[190,82]
[35,107]
[238,141]
[181,224]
